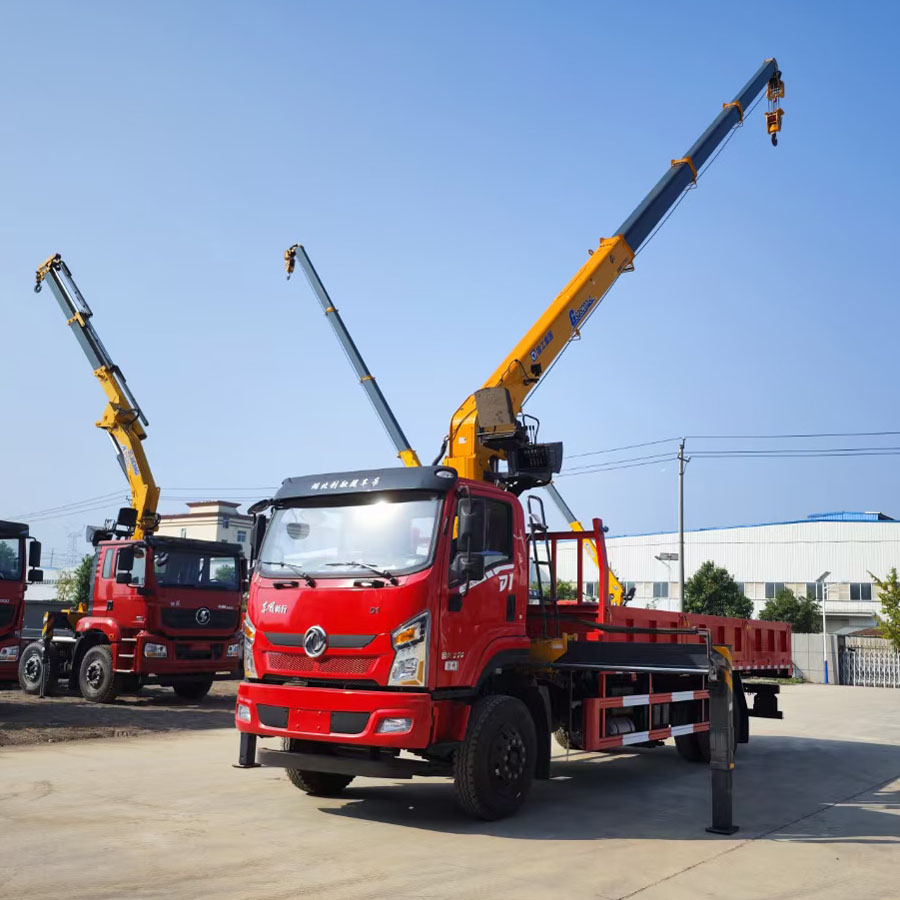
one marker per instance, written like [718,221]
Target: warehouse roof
[811,519]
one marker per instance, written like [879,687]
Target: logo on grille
[203,615]
[315,641]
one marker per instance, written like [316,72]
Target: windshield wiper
[361,565]
[307,578]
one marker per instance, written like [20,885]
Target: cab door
[477,606]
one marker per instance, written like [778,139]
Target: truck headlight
[410,642]
[234,651]
[156,651]
[249,637]
[9,654]
[394,726]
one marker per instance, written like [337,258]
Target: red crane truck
[14,538]
[393,610]
[163,609]
[160,607]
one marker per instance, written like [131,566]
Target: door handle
[510,607]
[454,602]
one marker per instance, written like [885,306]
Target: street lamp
[665,559]
[821,581]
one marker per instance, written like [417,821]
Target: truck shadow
[781,784]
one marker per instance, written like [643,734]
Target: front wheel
[32,669]
[96,678]
[316,784]
[494,766]
[193,690]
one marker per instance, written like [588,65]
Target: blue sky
[447,167]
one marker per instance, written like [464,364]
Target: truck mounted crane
[390,609]
[489,426]
[161,608]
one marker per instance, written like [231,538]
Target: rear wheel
[316,784]
[193,690]
[494,767]
[96,678]
[32,669]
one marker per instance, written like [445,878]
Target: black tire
[193,690]
[316,784]
[494,767]
[31,665]
[96,678]
[565,740]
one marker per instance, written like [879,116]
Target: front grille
[7,614]
[186,619]
[334,665]
[213,651]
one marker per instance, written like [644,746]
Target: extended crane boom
[122,419]
[487,427]
[366,378]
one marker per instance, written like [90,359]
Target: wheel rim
[508,758]
[93,675]
[32,669]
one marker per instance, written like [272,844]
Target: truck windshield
[186,568]
[395,534]
[10,559]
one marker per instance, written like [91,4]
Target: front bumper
[185,656]
[334,715]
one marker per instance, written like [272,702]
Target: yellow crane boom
[487,427]
[122,419]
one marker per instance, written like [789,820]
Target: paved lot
[165,816]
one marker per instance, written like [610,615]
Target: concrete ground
[817,797]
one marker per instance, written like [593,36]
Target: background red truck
[15,547]
[394,610]
[163,609]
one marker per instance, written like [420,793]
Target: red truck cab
[162,608]
[391,610]
[14,539]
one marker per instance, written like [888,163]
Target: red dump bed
[756,647]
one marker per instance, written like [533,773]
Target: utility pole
[682,463]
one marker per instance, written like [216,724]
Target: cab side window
[498,542]
[139,572]
[108,562]
[495,543]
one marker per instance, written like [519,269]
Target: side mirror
[470,528]
[467,567]
[125,564]
[35,576]
[260,524]
[123,577]
[127,518]
[34,554]
[245,574]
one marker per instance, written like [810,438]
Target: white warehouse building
[849,546]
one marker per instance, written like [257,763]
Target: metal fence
[870,662]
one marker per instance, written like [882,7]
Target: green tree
[889,595]
[711,590]
[803,613]
[75,587]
